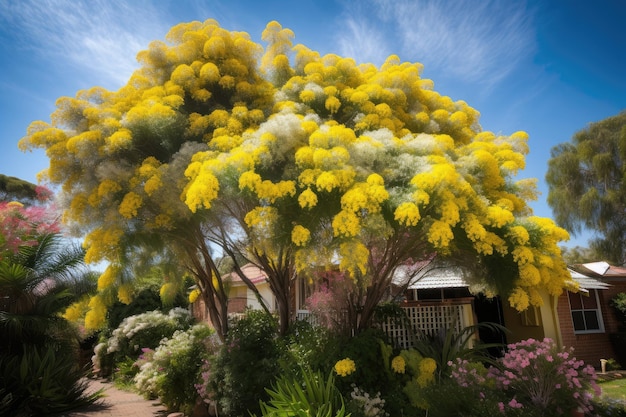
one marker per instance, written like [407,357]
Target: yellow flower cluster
[102,244]
[346,224]
[96,315]
[201,191]
[266,190]
[407,214]
[107,278]
[427,368]
[77,310]
[307,199]
[354,258]
[440,234]
[125,293]
[300,235]
[193,295]
[345,367]
[130,205]
[398,365]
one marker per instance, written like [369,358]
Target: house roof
[453,278]
[439,278]
[601,270]
[254,274]
[587,283]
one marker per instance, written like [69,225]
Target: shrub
[172,370]
[310,346]
[137,332]
[362,404]
[247,363]
[619,305]
[305,394]
[42,381]
[538,374]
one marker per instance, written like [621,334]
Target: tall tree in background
[587,181]
[299,163]
[15,189]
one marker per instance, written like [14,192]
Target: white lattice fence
[428,319]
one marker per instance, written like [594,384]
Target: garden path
[116,403]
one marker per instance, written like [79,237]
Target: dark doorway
[490,310]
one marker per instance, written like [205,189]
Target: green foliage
[447,398]
[619,305]
[15,189]
[42,381]
[135,333]
[448,345]
[308,394]
[365,350]
[585,178]
[310,346]
[248,363]
[37,284]
[146,300]
[173,370]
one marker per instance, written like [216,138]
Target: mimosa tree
[300,162]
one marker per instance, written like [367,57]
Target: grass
[615,389]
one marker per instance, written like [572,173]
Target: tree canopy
[299,162]
[15,189]
[587,188]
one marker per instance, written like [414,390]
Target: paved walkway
[117,403]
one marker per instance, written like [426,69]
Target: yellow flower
[427,368]
[300,235]
[107,278]
[332,104]
[96,316]
[407,214]
[398,365]
[307,199]
[130,204]
[193,295]
[440,234]
[346,224]
[345,367]
[124,294]
[327,181]
[519,299]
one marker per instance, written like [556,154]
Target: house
[586,319]
[240,297]
[441,299]
[583,319]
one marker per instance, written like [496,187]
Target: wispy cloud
[99,37]
[473,41]
[361,41]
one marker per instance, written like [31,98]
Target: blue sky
[546,67]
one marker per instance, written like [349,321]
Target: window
[586,313]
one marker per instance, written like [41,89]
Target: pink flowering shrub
[540,375]
[327,303]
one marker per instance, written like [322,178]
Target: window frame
[583,310]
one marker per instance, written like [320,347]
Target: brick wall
[590,347]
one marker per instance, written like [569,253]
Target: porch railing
[425,319]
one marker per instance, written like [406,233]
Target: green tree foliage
[40,276]
[587,187]
[299,163]
[579,255]
[15,189]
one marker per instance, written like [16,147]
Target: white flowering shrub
[173,369]
[362,404]
[137,332]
